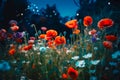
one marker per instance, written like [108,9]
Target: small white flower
[28,62]
[40,44]
[26,55]
[23,62]
[39,63]
[35,47]
[38,53]
[14,61]
[23,32]
[87,40]
[98,39]
[80,64]
[89,32]
[75,57]
[47,47]
[68,51]
[23,51]
[67,61]
[22,78]
[95,62]
[89,55]
[95,48]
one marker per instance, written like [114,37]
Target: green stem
[35,28]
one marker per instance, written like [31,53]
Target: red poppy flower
[12,51]
[9,36]
[51,34]
[60,40]
[106,22]
[19,40]
[30,46]
[76,31]
[107,44]
[42,36]
[64,76]
[27,47]
[14,28]
[50,43]
[72,24]
[92,32]
[111,37]
[72,73]
[87,21]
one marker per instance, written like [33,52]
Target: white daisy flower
[28,62]
[23,62]
[94,62]
[14,61]
[75,57]
[80,64]
[95,48]
[89,55]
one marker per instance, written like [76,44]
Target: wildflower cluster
[49,55]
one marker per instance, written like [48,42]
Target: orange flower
[64,76]
[106,22]
[111,37]
[107,44]
[72,24]
[76,31]
[92,32]
[72,73]
[51,34]
[60,40]
[50,43]
[27,47]
[87,21]
[12,51]
[42,36]
[14,28]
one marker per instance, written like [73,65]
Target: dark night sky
[65,7]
